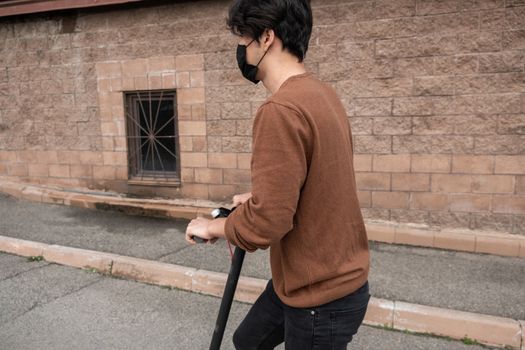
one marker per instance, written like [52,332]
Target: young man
[303,203]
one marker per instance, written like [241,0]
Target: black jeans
[330,326]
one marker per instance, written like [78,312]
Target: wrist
[209,229]
[216,228]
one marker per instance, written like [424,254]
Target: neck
[273,79]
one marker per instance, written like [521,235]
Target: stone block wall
[434,91]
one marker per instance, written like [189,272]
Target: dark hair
[291,21]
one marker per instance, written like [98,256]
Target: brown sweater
[304,203]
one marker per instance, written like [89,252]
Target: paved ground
[463,281]
[48,306]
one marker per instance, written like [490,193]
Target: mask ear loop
[262,57]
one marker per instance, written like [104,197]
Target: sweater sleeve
[279,165]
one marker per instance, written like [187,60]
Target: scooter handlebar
[216,213]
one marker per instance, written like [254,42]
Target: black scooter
[231,284]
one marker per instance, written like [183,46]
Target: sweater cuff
[229,229]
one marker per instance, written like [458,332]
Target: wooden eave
[19,7]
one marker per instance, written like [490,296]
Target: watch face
[215,212]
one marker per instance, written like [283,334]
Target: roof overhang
[19,7]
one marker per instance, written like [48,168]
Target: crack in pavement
[173,252]
[21,272]
[37,304]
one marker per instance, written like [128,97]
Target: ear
[267,38]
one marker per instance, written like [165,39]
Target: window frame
[136,173]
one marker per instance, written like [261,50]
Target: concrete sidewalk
[49,306]
[484,284]
[479,283]
[455,239]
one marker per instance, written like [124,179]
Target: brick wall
[434,90]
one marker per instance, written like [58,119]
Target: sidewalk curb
[522,326]
[495,243]
[486,329]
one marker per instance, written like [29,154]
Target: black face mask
[248,71]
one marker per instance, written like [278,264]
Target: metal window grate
[152,135]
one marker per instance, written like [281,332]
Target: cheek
[251,56]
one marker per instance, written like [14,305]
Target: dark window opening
[152,135]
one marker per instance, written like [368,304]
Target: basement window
[152,136]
